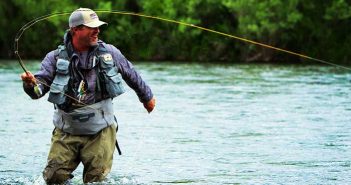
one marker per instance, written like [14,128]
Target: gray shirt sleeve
[130,75]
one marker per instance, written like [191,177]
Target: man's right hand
[28,79]
[150,105]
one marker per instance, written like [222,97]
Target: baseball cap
[86,17]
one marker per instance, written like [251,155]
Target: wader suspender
[117,146]
[104,50]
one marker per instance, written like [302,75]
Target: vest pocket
[62,66]
[59,85]
[114,85]
[111,78]
[57,95]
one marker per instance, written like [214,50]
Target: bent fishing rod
[45,17]
[48,16]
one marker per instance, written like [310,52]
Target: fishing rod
[36,20]
[48,16]
[24,28]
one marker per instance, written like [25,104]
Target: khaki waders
[67,151]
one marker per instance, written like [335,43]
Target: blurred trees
[319,29]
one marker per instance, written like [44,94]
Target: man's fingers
[28,77]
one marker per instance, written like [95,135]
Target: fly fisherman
[82,77]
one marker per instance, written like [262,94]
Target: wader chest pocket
[83,117]
[86,120]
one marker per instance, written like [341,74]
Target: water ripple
[213,124]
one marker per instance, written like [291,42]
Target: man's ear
[73,30]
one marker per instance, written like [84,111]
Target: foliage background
[316,28]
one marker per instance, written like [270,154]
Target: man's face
[87,36]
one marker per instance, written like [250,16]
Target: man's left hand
[149,106]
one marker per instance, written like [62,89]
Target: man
[82,76]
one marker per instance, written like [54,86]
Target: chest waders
[90,119]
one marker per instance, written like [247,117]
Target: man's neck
[79,47]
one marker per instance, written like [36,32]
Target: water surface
[213,124]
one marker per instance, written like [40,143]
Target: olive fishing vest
[89,119]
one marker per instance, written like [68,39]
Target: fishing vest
[107,73]
[89,119]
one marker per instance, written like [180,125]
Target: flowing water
[213,124]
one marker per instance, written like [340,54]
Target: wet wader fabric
[67,151]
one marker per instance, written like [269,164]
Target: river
[213,124]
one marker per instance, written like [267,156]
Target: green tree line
[320,29]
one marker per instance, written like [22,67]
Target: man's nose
[96,30]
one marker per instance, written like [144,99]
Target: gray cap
[86,17]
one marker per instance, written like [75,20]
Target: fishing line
[224,34]
[36,20]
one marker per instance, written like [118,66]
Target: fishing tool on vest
[81,90]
